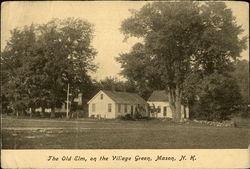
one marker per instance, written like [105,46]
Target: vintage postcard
[125,84]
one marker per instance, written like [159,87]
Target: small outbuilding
[112,104]
[159,100]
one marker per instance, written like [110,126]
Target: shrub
[92,116]
[219,97]
[36,114]
[60,114]
[45,115]
[80,114]
[126,117]
[137,116]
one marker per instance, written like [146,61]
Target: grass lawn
[116,134]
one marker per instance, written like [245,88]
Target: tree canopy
[113,84]
[241,76]
[39,61]
[180,39]
[218,96]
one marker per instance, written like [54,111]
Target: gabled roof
[125,97]
[122,97]
[159,96]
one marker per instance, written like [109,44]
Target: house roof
[159,96]
[125,97]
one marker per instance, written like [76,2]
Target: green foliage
[180,40]
[113,84]
[235,94]
[126,117]
[40,60]
[137,67]
[218,97]
[241,76]
[153,110]
[14,68]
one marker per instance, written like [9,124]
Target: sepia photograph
[124,75]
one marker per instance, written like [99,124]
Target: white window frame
[125,108]
[109,107]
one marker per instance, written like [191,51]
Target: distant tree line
[189,49]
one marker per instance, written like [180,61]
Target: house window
[101,96]
[119,108]
[125,108]
[164,111]
[93,107]
[109,107]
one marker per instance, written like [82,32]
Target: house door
[165,111]
[132,110]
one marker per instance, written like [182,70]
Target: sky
[106,17]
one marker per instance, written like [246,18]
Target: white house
[159,99]
[111,104]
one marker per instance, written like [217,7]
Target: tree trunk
[32,111]
[175,103]
[171,95]
[52,114]
[178,92]
[43,112]
[178,109]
